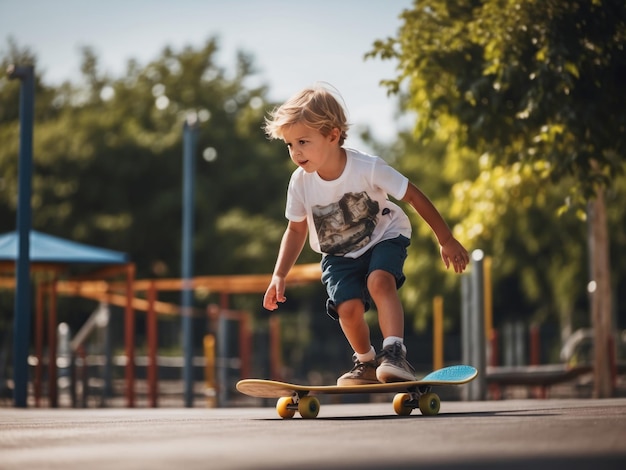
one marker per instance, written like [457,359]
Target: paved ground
[514,434]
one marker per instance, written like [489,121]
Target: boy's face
[311,150]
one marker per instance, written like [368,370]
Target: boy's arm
[290,248]
[451,250]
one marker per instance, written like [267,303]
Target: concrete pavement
[514,434]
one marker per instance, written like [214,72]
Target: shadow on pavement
[610,462]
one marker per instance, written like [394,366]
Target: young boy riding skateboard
[338,198]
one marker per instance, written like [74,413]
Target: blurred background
[512,123]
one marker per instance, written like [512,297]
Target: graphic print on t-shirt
[346,225]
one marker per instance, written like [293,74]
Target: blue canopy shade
[48,249]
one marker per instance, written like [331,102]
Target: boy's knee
[351,310]
[380,281]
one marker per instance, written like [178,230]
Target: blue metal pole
[189,147]
[21,323]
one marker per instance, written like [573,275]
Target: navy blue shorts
[346,278]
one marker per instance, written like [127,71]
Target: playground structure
[142,295]
[116,286]
[50,258]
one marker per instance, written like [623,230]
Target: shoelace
[358,365]
[394,354]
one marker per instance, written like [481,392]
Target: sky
[293,43]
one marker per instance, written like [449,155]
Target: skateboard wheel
[400,404]
[282,407]
[429,404]
[308,407]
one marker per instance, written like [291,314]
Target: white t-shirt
[348,215]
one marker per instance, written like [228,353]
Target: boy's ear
[334,135]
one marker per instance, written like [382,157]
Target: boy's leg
[345,283]
[382,288]
[383,281]
[356,330]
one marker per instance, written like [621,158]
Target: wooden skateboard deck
[411,395]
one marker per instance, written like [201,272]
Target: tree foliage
[108,161]
[107,154]
[524,100]
[528,81]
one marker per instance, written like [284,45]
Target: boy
[338,197]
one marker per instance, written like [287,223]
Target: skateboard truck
[417,397]
[307,406]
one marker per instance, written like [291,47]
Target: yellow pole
[437,332]
[488,298]
[209,370]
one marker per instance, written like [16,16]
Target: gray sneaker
[393,365]
[363,373]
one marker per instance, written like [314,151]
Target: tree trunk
[600,290]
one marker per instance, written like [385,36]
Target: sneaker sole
[393,374]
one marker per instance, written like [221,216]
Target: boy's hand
[275,293]
[452,252]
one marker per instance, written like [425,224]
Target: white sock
[391,340]
[368,356]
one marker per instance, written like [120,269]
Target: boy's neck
[335,170]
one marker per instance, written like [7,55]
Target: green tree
[536,84]
[108,162]
[428,164]
[490,208]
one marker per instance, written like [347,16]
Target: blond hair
[315,107]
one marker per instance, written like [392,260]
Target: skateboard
[409,395]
